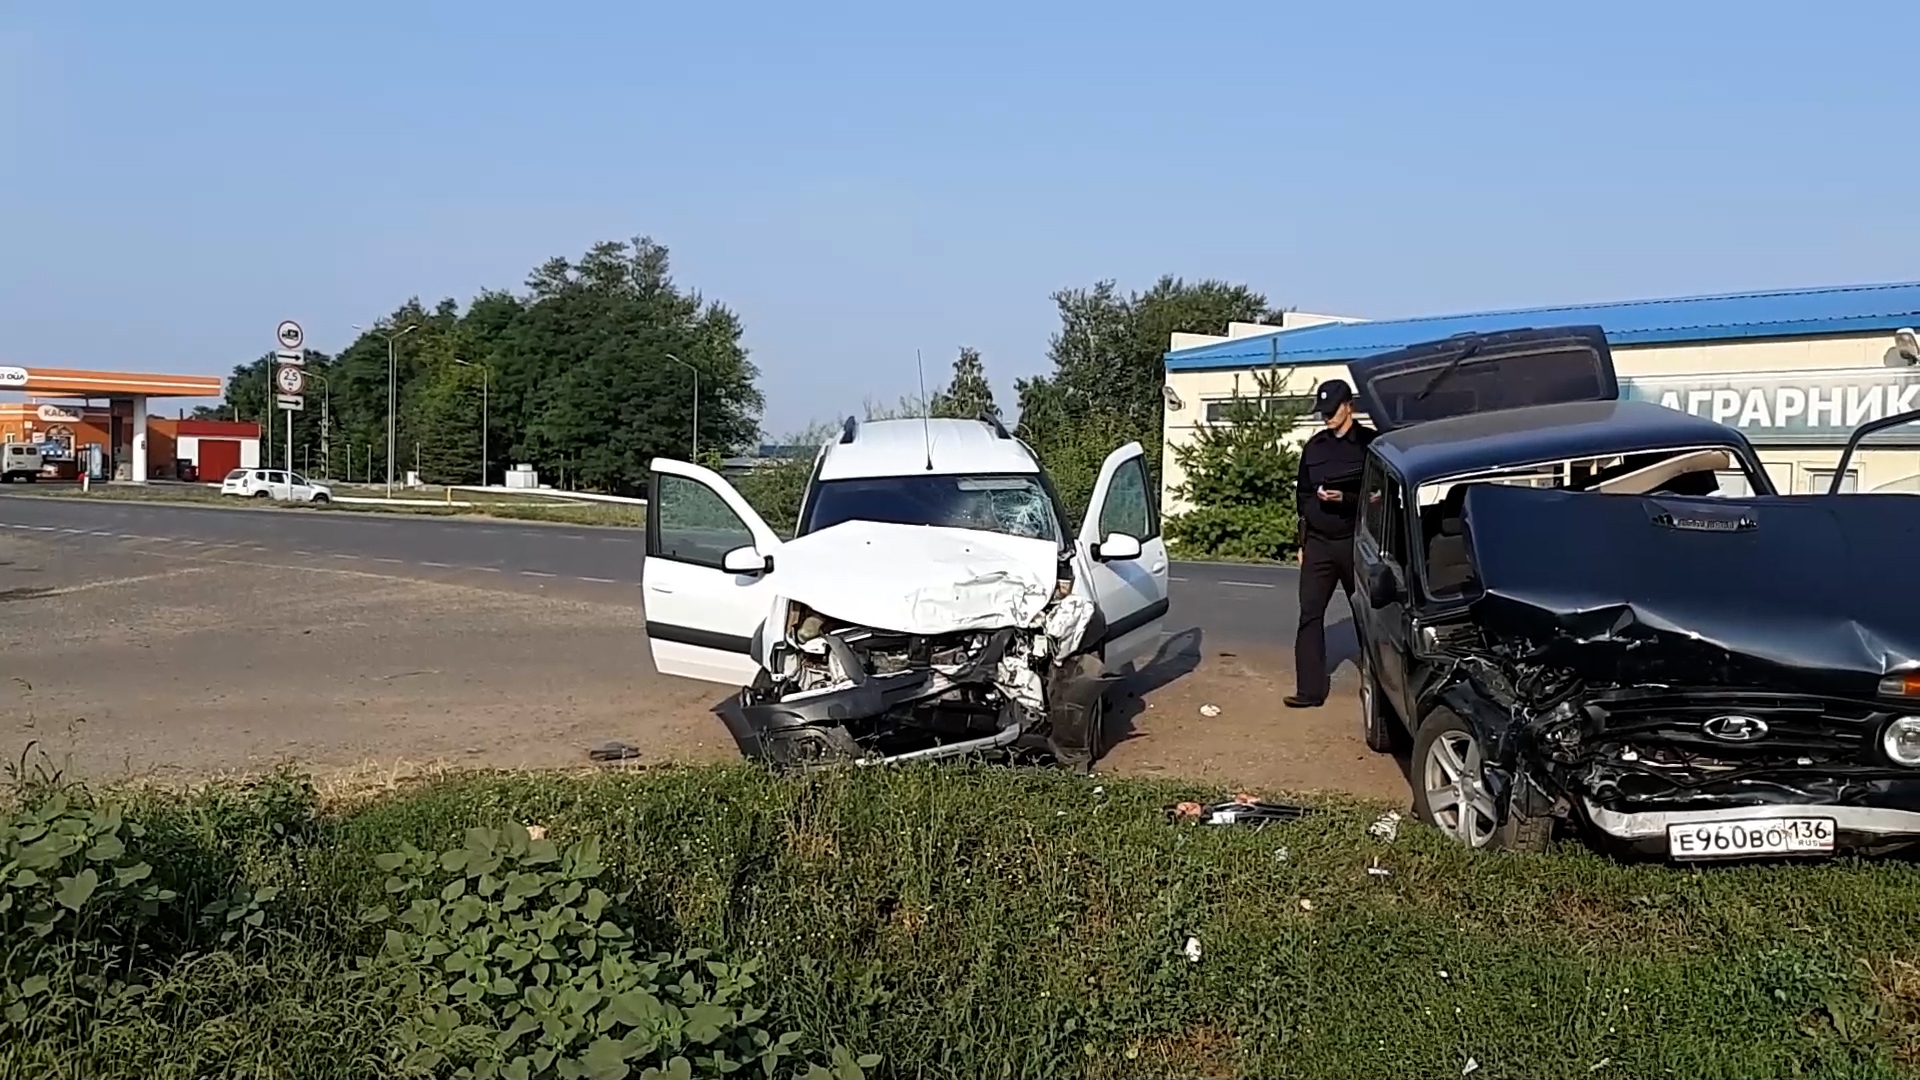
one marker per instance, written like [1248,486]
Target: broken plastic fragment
[1386,826]
[1472,1066]
[1376,870]
[613,750]
[1242,810]
[1193,949]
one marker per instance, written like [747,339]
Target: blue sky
[861,180]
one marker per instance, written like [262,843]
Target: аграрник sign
[1790,407]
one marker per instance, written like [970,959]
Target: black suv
[1570,622]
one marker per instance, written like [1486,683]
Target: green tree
[776,490]
[576,370]
[445,423]
[1239,478]
[592,378]
[968,395]
[1108,369]
[909,407]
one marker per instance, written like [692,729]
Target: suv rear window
[1489,383]
[237,474]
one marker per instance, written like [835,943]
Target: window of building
[1819,480]
[1217,411]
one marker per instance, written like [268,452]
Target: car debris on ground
[1242,809]
[1385,827]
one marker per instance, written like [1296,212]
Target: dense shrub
[504,957]
[1239,479]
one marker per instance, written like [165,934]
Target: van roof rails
[992,421]
[847,430]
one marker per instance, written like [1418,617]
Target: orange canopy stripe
[41,380]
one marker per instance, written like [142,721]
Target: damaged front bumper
[836,693]
[1654,770]
[1855,829]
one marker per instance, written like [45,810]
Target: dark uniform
[1331,461]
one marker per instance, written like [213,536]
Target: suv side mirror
[1383,585]
[1117,547]
[746,560]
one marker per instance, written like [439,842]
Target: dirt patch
[1896,991]
[1254,742]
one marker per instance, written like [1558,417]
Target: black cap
[1332,394]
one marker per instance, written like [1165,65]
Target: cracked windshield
[1014,505]
[842,543]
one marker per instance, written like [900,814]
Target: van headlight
[1901,741]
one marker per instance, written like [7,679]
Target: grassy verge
[503,505]
[985,923]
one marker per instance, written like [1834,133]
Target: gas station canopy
[68,382]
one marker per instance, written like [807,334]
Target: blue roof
[1846,309]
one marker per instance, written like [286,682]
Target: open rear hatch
[1478,373]
[1801,594]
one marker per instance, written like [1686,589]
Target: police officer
[1328,496]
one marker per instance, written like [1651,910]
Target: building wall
[1849,373]
[78,427]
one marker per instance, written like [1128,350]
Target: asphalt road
[1228,603]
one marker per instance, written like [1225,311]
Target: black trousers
[1324,563]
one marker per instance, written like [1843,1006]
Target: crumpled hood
[918,579]
[1810,594]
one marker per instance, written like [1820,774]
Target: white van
[19,461]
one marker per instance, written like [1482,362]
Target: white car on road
[930,604]
[274,484]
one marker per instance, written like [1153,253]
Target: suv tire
[1448,762]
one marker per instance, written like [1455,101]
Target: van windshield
[1017,505]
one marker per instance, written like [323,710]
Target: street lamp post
[486,377]
[326,423]
[696,403]
[391,338]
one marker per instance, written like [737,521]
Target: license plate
[1759,836]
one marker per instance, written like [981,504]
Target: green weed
[952,921]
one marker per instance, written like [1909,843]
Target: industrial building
[76,417]
[1795,370]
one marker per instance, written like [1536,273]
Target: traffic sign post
[289,377]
